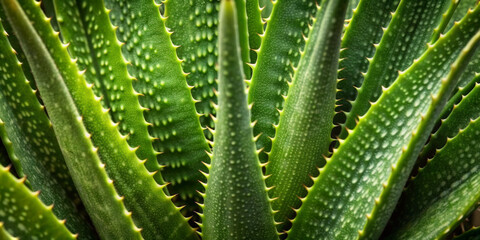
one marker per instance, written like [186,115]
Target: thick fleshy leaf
[128,174]
[279,51]
[403,41]
[197,41]
[366,174]
[443,193]
[86,27]
[255,27]
[236,201]
[303,134]
[363,31]
[26,126]
[162,83]
[23,215]
[459,118]
[103,204]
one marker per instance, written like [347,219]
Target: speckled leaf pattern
[86,27]
[467,109]
[129,175]
[194,30]
[307,117]
[12,38]
[279,51]
[460,11]
[171,108]
[474,65]
[404,40]
[16,202]
[357,189]
[103,204]
[236,202]
[27,127]
[443,193]
[363,31]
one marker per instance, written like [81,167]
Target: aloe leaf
[105,207]
[307,118]
[12,38]
[363,31]
[460,12]
[403,41]
[473,67]
[94,44]
[445,20]
[194,30]
[43,162]
[472,234]
[433,204]
[459,118]
[243,30]
[365,176]
[17,202]
[283,40]
[255,27]
[267,7]
[130,177]
[4,234]
[164,87]
[236,201]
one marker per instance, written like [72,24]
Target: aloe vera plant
[239,119]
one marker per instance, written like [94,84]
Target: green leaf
[403,41]
[303,134]
[443,193]
[364,30]
[283,40]
[243,31]
[171,108]
[86,27]
[34,143]
[445,20]
[255,27]
[194,30]
[267,7]
[472,234]
[103,204]
[356,191]
[23,215]
[460,12]
[459,118]
[236,201]
[4,234]
[352,6]
[130,177]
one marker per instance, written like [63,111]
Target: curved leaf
[236,201]
[366,174]
[303,134]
